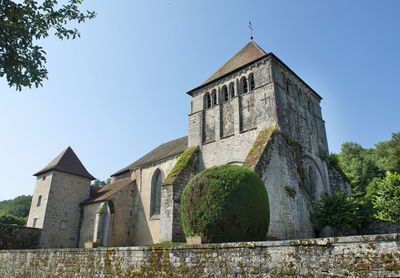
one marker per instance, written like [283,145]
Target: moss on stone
[185,161]
[290,191]
[264,138]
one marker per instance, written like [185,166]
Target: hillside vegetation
[15,211]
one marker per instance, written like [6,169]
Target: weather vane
[251,30]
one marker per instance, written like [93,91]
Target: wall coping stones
[354,256]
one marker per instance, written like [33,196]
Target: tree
[12,219]
[387,199]
[388,154]
[337,210]
[100,183]
[22,61]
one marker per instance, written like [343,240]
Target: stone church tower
[60,187]
[255,111]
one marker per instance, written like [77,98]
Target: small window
[251,81]
[43,178]
[232,90]
[225,93]
[34,222]
[39,201]
[214,97]
[243,85]
[208,100]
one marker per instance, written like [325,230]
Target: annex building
[254,111]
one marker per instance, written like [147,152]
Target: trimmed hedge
[227,203]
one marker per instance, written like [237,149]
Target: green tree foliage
[227,203]
[100,183]
[388,154]
[18,207]
[359,165]
[22,24]
[387,199]
[12,219]
[365,168]
[337,210]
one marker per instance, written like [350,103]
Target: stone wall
[18,237]
[183,171]
[62,215]
[358,256]
[146,226]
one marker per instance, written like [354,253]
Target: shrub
[337,210]
[227,203]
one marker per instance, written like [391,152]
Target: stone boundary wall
[19,237]
[356,256]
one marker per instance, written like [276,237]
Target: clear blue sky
[119,90]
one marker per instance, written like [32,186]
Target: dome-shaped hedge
[227,203]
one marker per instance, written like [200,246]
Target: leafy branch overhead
[22,61]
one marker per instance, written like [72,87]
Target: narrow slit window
[251,81]
[208,100]
[214,97]
[225,93]
[232,90]
[243,85]
[39,201]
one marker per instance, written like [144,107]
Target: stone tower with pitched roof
[60,187]
[255,111]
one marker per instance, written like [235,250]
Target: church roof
[98,194]
[247,55]
[163,151]
[67,162]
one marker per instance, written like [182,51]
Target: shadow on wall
[142,234]
[18,237]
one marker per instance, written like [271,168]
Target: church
[253,111]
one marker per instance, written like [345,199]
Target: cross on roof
[251,30]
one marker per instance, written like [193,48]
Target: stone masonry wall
[18,237]
[358,256]
[61,221]
[147,227]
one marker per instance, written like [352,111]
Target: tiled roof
[165,150]
[67,162]
[98,194]
[246,55]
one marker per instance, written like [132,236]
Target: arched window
[156,184]
[243,85]
[207,100]
[251,82]
[225,94]
[214,97]
[232,90]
